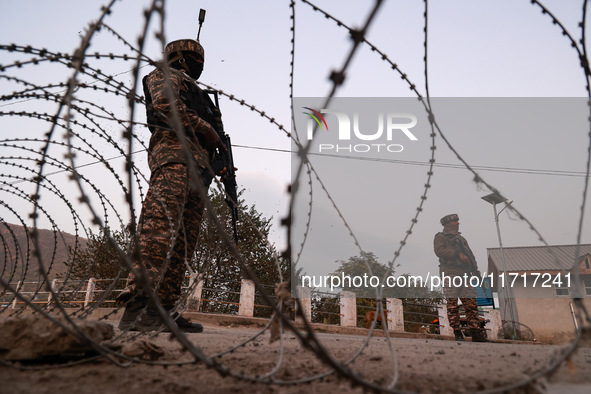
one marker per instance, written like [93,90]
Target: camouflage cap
[174,49]
[449,218]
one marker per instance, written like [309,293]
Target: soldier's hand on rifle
[224,171]
[463,258]
[211,139]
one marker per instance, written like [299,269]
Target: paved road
[415,365]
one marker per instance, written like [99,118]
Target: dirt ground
[417,365]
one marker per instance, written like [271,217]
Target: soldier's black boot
[477,335]
[458,334]
[133,308]
[150,320]
[182,323]
[142,315]
[185,325]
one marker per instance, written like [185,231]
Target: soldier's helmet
[186,54]
[449,218]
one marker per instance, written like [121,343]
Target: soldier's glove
[210,139]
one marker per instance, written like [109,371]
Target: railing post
[395,314]
[18,288]
[89,291]
[303,293]
[49,294]
[444,327]
[348,304]
[246,307]
[194,299]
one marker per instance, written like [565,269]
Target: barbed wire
[89,129]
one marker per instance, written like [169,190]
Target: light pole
[494,199]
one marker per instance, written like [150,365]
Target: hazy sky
[475,49]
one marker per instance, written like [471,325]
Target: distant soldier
[183,142]
[456,259]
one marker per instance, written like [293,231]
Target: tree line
[222,274]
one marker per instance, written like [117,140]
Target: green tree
[100,259]
[213,257]
[221,269]
[364,266]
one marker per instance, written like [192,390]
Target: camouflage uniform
[172,210]
[448,245]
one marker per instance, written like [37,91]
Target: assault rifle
[473,266]
[223,161]
[223,165]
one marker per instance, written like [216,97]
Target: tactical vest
[194,98]
[200,102]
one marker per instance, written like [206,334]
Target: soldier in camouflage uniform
[456,259]
[183,142]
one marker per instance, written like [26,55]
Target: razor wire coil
[75,144]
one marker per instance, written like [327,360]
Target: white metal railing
[88,294]
[79,292]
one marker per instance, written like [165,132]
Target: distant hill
[53,247]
